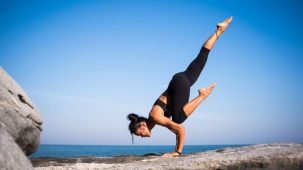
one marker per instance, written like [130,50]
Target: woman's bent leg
[191,106]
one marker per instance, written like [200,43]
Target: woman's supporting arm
[180,137]
[177,129]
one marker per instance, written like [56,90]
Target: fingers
[170,154]
[165,155]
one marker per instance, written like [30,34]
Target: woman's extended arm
[180,136]
[174,127]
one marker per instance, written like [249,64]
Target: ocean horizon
[72,151]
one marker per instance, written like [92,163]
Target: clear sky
[87,64]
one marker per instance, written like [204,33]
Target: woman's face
[143,130]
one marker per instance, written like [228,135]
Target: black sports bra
[164,106]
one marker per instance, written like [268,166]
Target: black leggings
[179,87]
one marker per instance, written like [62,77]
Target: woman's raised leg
[189,107]
[195,68]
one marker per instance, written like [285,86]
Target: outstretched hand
[171,154]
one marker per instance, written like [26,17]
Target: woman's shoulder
[156,113]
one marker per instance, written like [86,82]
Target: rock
[19,115]
[11,155]
[264,156]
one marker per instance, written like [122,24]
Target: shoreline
[74,151]
[268,156]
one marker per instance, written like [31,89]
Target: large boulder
[19,116]
[11,155]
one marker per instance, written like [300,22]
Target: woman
[174,102]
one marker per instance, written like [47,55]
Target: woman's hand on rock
[171,154]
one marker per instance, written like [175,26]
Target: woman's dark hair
[134,124]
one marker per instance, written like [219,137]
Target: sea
[72,151]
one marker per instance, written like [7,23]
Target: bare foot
[223,25]
[206,91]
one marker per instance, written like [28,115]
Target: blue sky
[87,64]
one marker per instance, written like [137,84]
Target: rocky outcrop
[18,115]
[266,156]
[11,156]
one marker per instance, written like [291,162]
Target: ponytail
[134,124]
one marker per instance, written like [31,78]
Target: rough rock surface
[19,116]
[263,156]
[11,155]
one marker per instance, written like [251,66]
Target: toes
[212,86]
[230,19]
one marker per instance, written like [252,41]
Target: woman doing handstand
[174,101]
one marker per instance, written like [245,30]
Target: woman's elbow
[181,130]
